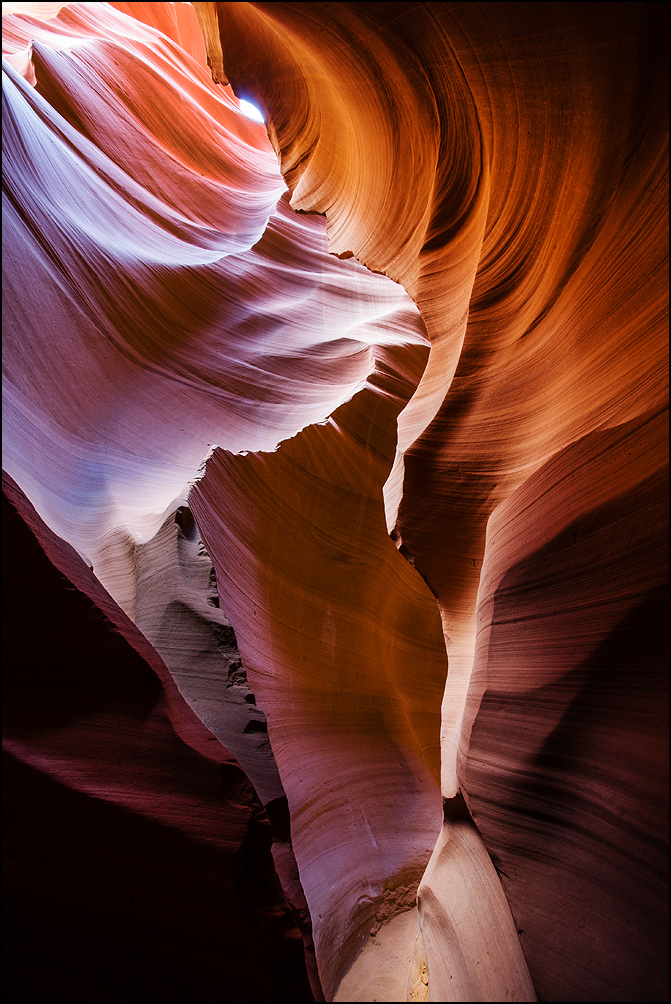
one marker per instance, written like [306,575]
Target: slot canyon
[335,501]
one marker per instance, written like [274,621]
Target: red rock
[506,165]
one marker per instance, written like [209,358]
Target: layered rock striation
[416,329]
[137,854]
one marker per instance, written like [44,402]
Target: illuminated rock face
[343,647]
[505,164]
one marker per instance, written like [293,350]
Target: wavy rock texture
[137,853]
[531,193]
[179,612]
[342,643]
[506,165]
[198,306]
[200,309]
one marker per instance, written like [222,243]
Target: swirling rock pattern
[138,862]
[537,198]
[343,646]
[202,310]
[506,165]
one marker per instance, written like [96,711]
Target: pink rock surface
[506,165]
[137,853]
[343,647]
[167,276]
[527,222]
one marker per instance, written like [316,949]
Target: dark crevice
[455,810]
[256,728]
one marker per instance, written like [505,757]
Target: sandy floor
[381,971]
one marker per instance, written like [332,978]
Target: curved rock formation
[543,211]
[506,166]
[343,646]
[200,308]
[137,853]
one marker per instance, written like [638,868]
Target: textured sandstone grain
[506,165]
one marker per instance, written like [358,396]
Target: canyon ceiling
[335,473]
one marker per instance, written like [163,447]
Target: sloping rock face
[137,853]
[343,646]
[436,507]
[527,144]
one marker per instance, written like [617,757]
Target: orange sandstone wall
[499,410]
[507,163]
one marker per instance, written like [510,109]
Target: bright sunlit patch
[251,111]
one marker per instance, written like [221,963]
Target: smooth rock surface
[137,854]
[497,415]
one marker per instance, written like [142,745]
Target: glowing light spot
[251,111]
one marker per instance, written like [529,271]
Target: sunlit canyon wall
[336,535]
